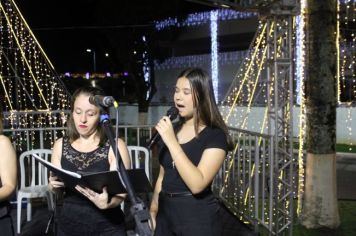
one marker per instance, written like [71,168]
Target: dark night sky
[66,28]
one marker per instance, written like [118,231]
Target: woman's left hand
[101,200]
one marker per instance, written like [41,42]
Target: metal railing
[24,139]
[245,182]
[32,138]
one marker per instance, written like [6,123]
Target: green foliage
[345,148]
[339,147]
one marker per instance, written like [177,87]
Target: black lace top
[84,162]
[93,161]
[78,215]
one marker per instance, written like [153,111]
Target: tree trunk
[320,203]
[320,206]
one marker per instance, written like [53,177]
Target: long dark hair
[72,132]
[206,110]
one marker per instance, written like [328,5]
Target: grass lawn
[345,148]
[347,211]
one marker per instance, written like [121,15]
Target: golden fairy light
[242,96]
[28,78]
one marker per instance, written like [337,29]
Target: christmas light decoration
[28,79]
[214,52]
[197,19]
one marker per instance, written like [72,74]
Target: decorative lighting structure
[214,52]
[346,36]
[274,61]
[34,96]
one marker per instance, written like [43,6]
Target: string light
[197,19]
[225,58]
[241,91]
[347,54]
[28,78]
[36,77]
[300,66]
[214,52]
[299,53]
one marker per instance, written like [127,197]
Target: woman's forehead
[183,82]
[82,101]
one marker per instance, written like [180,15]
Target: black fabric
[232,226]
[78,215]
[73,160]
[188,216]
[186,194]
[195,215]
[4,208]
[93,161]
[208,138]
[6,224]
[77,219]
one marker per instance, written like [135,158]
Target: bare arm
[54,183]
[155,196]
[125,156]
[8,168]
[197,178]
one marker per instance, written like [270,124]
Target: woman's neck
[86,143]
[189,122]
[92,138]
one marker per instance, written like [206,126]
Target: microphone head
[108,101]
[172,113]
[99,100]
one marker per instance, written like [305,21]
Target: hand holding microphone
[172,113]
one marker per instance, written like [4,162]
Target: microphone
[99,100]
[172,113]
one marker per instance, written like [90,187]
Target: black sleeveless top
[79,216]
[84,162]
[93,161]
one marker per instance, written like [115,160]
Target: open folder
[96,181]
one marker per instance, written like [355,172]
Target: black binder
[96,181]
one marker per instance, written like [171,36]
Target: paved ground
[346,175]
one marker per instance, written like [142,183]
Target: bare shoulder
[6,148]
[57,151]
[57,147]
[4,140]
[58,142]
